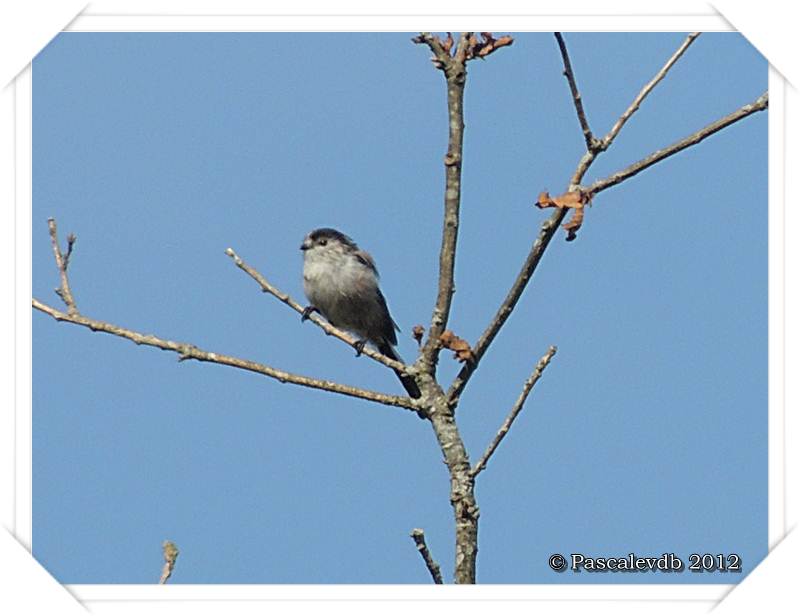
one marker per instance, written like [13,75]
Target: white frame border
[309,23]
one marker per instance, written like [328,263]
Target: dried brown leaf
[576,200]
[460,347]
[418,332]
[573,224]
[482,48]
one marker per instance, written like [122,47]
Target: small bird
[341,282]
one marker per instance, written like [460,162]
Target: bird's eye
[322,242]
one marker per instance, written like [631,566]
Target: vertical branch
[62,262]
[462,496]
[455,70]
[462,486]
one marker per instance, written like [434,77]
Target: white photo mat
[108,595]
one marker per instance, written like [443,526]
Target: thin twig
[189,351]
[419,538]
[441,51]
[170,556]
[62,262]
[546,233]
[515,411]
[760,104]
[591,143]
[71,239]
[603,144]
[469,47]
[634,106]
[329,329]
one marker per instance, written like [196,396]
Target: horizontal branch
[329,329]
[760,104]
[515,411]
[189,351]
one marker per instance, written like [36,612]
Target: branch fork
[447,55]
[575,200]
[62,263]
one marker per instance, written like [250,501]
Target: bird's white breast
[327,278]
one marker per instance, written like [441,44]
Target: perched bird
[341,282]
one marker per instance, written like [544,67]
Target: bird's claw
[307,311]
[359,347]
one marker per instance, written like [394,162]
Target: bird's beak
[305,245]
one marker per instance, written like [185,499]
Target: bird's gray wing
[388,322]
[364,257]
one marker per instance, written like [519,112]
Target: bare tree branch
[419,538]
[170,556]
[515,410]
[62,262]
[546,233]
[551,225]
[462,495]
[441,51]
[454,67]
[455,70]
[591,143]
[634,106]
[189,351]
[760,104]
[469,47]
[451,57]
[329,329]
[603,144]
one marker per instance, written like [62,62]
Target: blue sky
[647,434]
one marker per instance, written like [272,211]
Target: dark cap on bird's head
[322,235]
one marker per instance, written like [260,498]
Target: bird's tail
[408,382]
